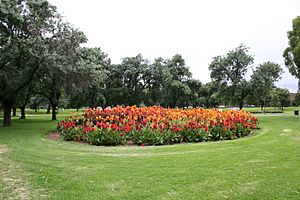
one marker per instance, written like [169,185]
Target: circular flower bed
[155,125]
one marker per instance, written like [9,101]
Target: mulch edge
[54,136]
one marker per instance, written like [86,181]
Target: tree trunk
[14,112]
[241,104]
[48,109]
[261,106]
[23,106]
[7,115]
[54,112]
[23,115]
[281,105]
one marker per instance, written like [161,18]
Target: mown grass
[263,166]
[285,109]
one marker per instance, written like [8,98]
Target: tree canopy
[25,31]
[292,52]
[262,81]
[230,70]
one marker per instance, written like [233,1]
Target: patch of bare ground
[13,181]
[3,149]
[53,136]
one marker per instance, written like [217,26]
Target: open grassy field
[263,166]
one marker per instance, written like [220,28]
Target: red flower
[179,129]
[154,126]
[59,125]
[187,126]
[88,128]
[144,122]
[114,126]
[106,126]
[99,125]
[127,128]
[206,128]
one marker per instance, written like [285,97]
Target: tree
[210,95]
[115,92]
[24,29]
[135,78]
[156,86]
[176,76]
[262,81]
[59,71]
[195,88]
[37,101]
[94,65]
[230,70]
[292,52]
[23,99]
[280,97]
[297,99]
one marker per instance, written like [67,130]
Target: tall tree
[115,91]
[297,99]
[280,97]
[23,99]
[60,72]
[195,88]
[156,91]
[292,52]
[210,95]
[262,81]
[93,66]
[24,29]
[231,70]
[176,76]
[135,78]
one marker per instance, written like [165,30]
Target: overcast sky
[199,30]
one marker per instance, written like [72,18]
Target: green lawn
[263,166]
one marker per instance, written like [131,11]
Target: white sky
[198,30]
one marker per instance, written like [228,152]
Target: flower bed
[155,125]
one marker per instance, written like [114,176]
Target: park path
[13,181]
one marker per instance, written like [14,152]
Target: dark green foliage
[230,70]
[280,98]
[25,27]
[262,82]
[210,95]
[297,99]
[60,73]
[108,137]
[292,52]
[135,80]
[92,70]
[38,52]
